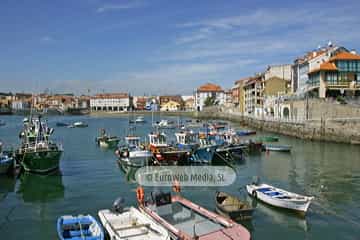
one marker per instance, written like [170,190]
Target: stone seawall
[344,131]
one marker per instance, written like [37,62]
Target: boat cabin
[185,138]
[158,139]
[132,140]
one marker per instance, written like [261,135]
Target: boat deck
[186,220]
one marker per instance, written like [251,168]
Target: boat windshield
[187,220]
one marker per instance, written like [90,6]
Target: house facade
[112,102]
[340,75]
[206,91]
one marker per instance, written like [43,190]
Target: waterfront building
[206,91]
[253,101]
[164,100]
[239,94]
[340,75]
[139,103]
[112,102]
[307,63]
[170,106]
[189,104]
[5,101]
[21,104]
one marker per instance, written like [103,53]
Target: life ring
[176,186]
[254,193]
[140,195]
[126,153]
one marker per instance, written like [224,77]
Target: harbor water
[90,179]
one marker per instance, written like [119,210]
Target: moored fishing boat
[6,161]
[164,124]
[79,227]
[232,207]
[140,119]
[107,141]
[37,153]
[129,223]
[277,148]
[163,153]
[279,198]
[186,140]
[133,153]
[184,219]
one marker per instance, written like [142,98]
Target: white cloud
[119,6]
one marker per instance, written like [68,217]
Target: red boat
[189,221]
[164,154]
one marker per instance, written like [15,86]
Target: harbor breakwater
[342,130]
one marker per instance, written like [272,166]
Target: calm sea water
[90,179]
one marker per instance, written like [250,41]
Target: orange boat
[186,220]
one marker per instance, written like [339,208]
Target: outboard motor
[256,180]
[118,205]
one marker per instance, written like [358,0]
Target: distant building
[21,104]
[139,103]
[189,104]
[170,106]
[239,94]
[163,100]
[112,102]
[208,90]
[253,89]
[282,71]
[338,76]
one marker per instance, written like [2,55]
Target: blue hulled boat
[81,227]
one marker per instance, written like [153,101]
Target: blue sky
[160,46]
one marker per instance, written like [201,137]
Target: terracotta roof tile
[209,87]
[326,66]
[345,56]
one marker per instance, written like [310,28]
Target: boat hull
[231,207]
[40,161]
[299,206]
[108,143]
[6,164]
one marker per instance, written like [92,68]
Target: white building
[311,61]
[282,71]
[112,102]
[206,91]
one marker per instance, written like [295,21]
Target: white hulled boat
[279,198]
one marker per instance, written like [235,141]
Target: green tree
[210,101]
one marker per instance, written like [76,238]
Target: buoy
[176,186]
[140,195]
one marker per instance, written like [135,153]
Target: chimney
[314,53]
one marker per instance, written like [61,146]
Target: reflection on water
[41,188]
[129,172]
[280,216]
[7,185]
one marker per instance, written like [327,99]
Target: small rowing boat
[277,148]
[130,223]
[269,139]
[232,207]
[279,198]
[79,227]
